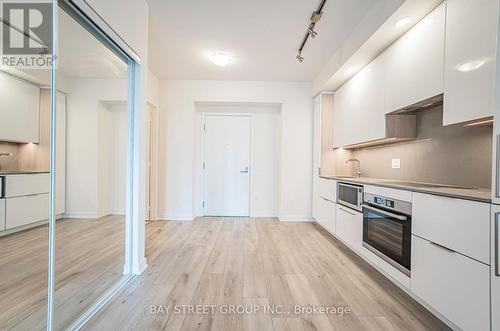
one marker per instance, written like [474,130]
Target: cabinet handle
[346,211]
[442,247]
[497,228]
[497,167]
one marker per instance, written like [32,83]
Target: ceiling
[79,55]
[262,35]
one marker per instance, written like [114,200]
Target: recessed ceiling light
[402,22]
[470,65]
[221,59]
[352,70]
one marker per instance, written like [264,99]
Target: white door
[227,165]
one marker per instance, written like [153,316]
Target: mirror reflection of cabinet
[19,110]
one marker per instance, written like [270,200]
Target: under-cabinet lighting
[480,122]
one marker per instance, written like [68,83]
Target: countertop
[475,194]
[22,172]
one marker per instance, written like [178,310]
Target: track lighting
[313,20]
[312,33]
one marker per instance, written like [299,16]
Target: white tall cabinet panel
[60,150]
[316,155]
[495,268]
[471,36]
[416,63]
[19,110]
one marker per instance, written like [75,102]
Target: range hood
[398,128]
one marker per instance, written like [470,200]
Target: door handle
[244,171]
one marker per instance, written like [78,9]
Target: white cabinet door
[19,110]
[326,216]
[60,164]
[454,285]
[495,268]
[316,155]
[2,214]
[359,106]
[415,63]
[26,184]
[328,189]
[470,60]
[349,227]
[17,214]
[434,216]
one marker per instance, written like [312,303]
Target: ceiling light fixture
[470,65]
[299,57]
[352,70]
[402,22]
[221,59]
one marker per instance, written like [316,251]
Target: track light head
[312,33]
[299,58]
[316,16]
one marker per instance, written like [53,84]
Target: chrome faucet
[359,166]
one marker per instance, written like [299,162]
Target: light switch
[396,163]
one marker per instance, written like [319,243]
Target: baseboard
[82,215]
[291,218]
[175,217]
[138,268]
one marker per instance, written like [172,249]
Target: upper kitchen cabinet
[470,60]
[415,62]
[359,106]
[19,110]
[323,133]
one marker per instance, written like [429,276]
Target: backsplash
[454,155]
[9,162]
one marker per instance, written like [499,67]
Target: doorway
[226,164]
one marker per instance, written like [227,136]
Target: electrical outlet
[396,163]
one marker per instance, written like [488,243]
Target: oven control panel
[384,202]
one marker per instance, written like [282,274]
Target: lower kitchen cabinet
[349,227]
[25,210]
[326,215]
[2,214]
[456,286]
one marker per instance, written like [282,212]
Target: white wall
[87,140]
[180,129]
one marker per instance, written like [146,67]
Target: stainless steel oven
[387,230]
[350,196]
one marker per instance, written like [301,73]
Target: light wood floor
[214,261]
[89,258]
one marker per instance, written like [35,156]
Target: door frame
[202,161]
[152,169]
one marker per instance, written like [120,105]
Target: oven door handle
[396,216]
